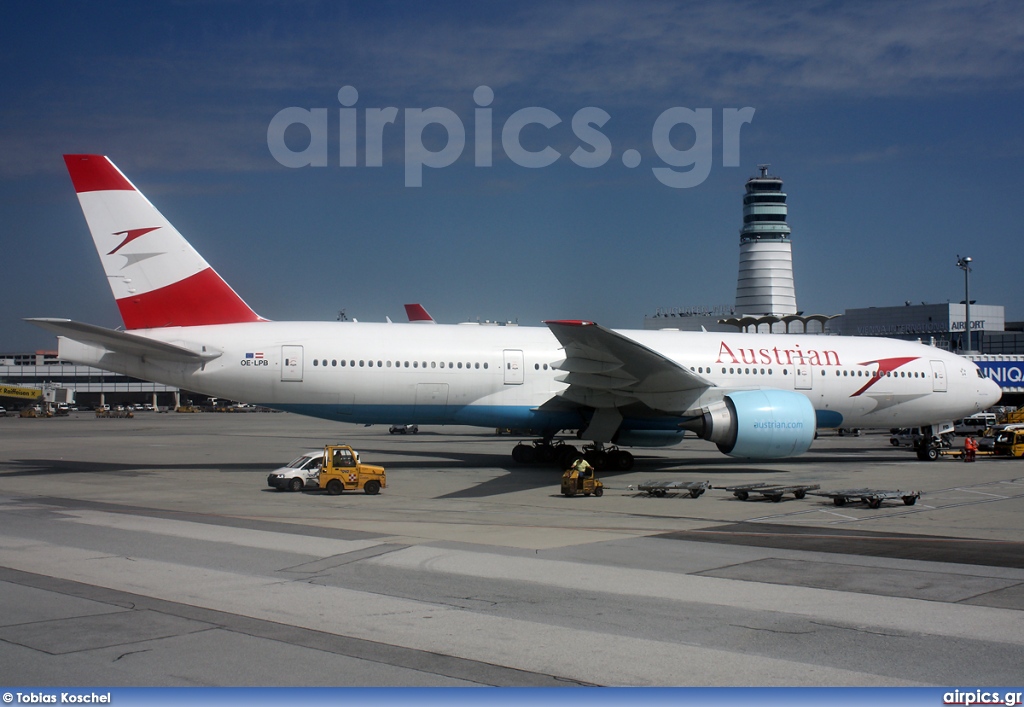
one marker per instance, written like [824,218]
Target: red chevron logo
[885,365]
[130,236]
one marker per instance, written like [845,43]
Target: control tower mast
[765,283]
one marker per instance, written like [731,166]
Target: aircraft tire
[620,460]
[598,459]
[523,454]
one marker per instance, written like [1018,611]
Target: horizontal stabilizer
[122,342]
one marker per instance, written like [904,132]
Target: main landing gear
[545,452]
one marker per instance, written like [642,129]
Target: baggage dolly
[773,492]
[871,497]
[660,488]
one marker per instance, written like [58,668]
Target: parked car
[976,424]
[404,429]
[302,472]
[906,437]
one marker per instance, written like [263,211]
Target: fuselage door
[291,363]
[803,378]
[513,367]
[938,376]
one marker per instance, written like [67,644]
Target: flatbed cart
[773,492]
[660,488]
[871,497]
[934,453]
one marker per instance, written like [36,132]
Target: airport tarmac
[150,552]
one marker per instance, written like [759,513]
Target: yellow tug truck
[342,471]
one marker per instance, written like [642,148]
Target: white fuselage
[499,376]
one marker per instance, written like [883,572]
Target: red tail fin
[157,278]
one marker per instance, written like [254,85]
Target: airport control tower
[765,283]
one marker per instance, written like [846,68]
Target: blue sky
[896,128]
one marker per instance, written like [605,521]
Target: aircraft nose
[991,392]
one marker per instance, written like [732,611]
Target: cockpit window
[980,374]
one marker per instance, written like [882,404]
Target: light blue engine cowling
[761,424]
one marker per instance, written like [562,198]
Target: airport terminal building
[90,386]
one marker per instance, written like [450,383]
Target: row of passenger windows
[397,364]
[785,372]
[537,366]
[747,371]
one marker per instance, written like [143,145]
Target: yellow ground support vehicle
[1015,417]
[575,480]
[342,471]
[1010,441]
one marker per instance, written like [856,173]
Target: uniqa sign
[1008,374]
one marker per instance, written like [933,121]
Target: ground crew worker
[970,447]
[581,466]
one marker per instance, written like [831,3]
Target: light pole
[965,265]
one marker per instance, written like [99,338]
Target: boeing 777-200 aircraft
[757,396]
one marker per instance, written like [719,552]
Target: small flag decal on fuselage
[254,355]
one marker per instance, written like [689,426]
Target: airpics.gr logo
[981,697]
[683,168]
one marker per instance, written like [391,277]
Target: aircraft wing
[606,369]
[122,342]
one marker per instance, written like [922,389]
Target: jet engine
[760,424]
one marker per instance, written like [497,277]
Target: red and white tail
[157,278]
